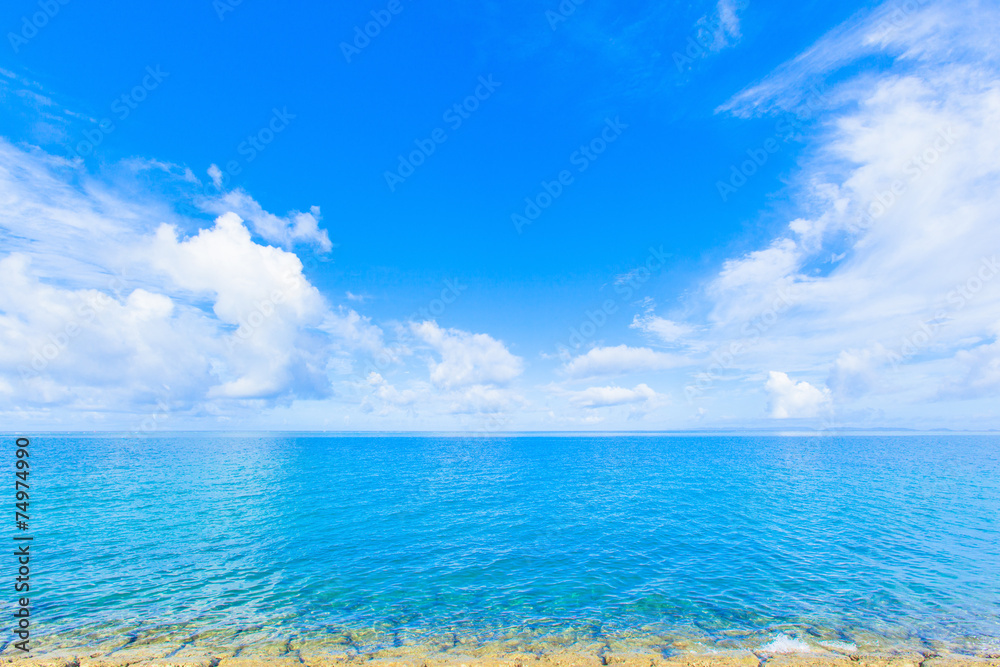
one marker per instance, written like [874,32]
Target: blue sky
[747,216]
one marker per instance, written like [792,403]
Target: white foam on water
[786,644]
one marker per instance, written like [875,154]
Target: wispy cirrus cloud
[898,198]
[725,23]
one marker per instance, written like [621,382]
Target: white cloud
[105,310]
[602,397]
[356,331]
[138,165]
[390,395]
[294,228]
[93,349]
[261,291]
[761,268]
[977,372]
[466,358]
[485,400]
[241,274]
[53,213]
[856,372]
[791,399]
[884,280]
[112,305]
[667,331]
[727,24]
[620,360]
[751,284]
[876,284]
[360,298]
[943,32]
[715,31]
[215,174]
[471,375]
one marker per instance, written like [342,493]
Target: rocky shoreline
[407,658]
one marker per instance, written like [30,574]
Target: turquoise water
[387,541]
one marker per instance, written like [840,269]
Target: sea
[364,543]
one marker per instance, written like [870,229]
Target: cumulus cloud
[105,308]
[620,360]
[879,291]
[296,227]
[466,358]
[111,304]
[117,340]
[259,290]
[794,399]
[95,348]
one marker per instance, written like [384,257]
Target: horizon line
[317,432]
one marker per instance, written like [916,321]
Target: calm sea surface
[383,541]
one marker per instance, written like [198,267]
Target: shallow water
[531,541]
